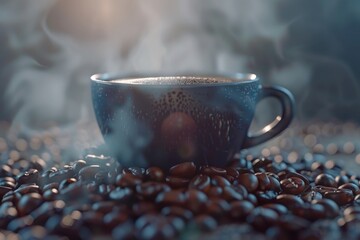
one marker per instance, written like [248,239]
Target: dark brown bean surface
[200,182]
[293,185]
[183,170]
[324,179]
[249,180]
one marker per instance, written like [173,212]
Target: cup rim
[123,79]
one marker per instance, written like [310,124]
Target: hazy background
[49,49]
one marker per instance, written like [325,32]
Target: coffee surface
[178,80]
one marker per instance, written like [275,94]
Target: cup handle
[280,123]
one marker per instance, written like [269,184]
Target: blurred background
[50,48]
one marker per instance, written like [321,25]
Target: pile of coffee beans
[257,198]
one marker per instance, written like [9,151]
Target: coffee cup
[163,120]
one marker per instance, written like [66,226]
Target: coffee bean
[149,190]
[173,197]
[104,206]
[341,196]
[195,200]
[200,182]
[293,223]
[274,184]
[127,180]
[154,227]
[50,186]
[231,174]
[265,196]
[311,212]
[249,181]
[239,210]
[278,208]
[113,219]
[262,218]
[351,186]
[215,192]
[66,182]
[121,194]
[331,208]
[231,194]
[289,201]
[324,179]
[4,190]
[341,179]
[213,171]
[30,176]
[311,195]
[217,208]
[220,181]
[293,185]
[136,171]
[264,181]
[125,230]
[176,182]
[183,213]
[183,170]
[78,165]
[205,223]
[155,174]
[88,173]
[28,203]
[261,163]
[141,208]
[50,194]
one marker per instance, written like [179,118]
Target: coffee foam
[178,80]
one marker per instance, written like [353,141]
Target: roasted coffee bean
[278,208]
[20,223]
[60,175]
[176,182]
[293,223]
[155,174]
[264,181]
[217,208]
[30,176]
[274,184]
[28,188]
[102,177]
[121,194]
[262,218]
[28,203]
[249,180]
[324,179]
[310,211]
[173,197]
[289,174]
[239,210]
[136,171]
[265,196]
[4,190]
[341,197]
[293,185]
[34,232]
[261,163]
[289,201]
[251,198]
[231,174]
[113,219]
[331,208]
[231,194]
[200,182]
[154,227]
[50,194]
[78,165]
[50,186]
[88,173]
[125,231]
[213,171]
[183,213]
[205,223]
[341,179]
[357,198]
[215,192]
[195,200]
[127,180]
[311,195]
[220,181]
[141,208]
[183,170]
[66,182]
[149,190]
[351,186]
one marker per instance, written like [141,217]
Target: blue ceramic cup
[164,120]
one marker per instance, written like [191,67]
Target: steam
[56,45]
